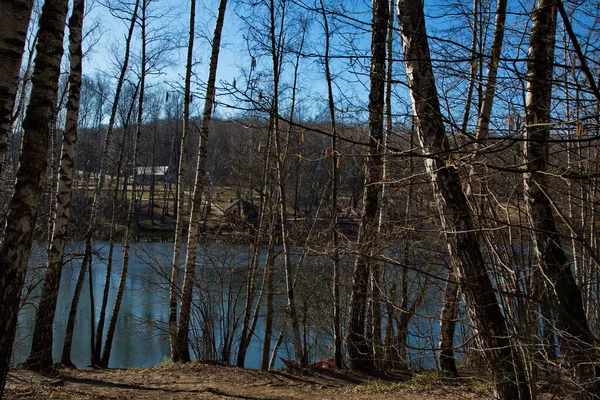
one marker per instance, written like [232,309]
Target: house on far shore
[240,212]
[161,173]
[349,213]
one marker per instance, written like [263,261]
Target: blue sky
[350,41]
[235,57]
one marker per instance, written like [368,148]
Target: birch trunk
[22,208]
[110,333]
[269,286]
[179,206]
[183,351]
[87,257]
[280,153]
[463,244]
[13,32]
[41,348]
[335,176]
[360,351]
[576,341]
[476,184]
[97,352]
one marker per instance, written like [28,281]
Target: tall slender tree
[463,243]
[576,340]
[13,32]
[112,326]
[276,52]
[335,176]
[41,347]
[96,200]
[179,201]
[183,350]
[22,209]
[360,351]
[449,311]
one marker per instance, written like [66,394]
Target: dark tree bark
[448,317]
[463,244]
[22,209]
[576,341]
[476,185]
[13,32]
[359,349]
[335,237]
[41,347]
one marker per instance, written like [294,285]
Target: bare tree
[41,347]
[87,257]
[463,244]
[112,326]
[183,351]
[451,299]
[22,209]
[335,176]
[179,202]
[13,33]
[360,351]
[576,340]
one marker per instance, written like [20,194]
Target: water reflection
[141,338]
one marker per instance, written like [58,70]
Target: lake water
[141,338]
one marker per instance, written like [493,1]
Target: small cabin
[161,173]
[241,211]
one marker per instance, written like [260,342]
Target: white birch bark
[463,244]
[183,351]
[22,209]
[41,348]
[179,206]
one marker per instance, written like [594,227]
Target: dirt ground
[209,381]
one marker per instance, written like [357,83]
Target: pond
[141,338]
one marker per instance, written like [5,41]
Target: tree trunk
[112,326]
[448,317]
[266,196]
[183,351]
[97,352]
[22,209]
[13,32]
[179,206]
[280,150]
[473,69]
[463,244]
[475,186]
[360,351]
[269,287]
[66,355]
[576,341]
[335,239]
[41,347]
